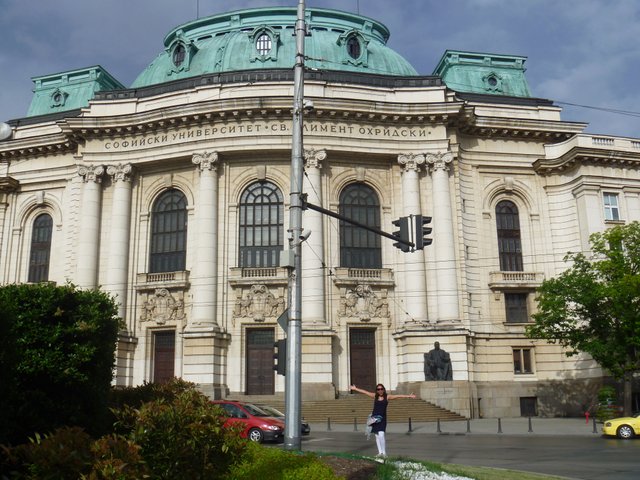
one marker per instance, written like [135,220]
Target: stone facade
[419,147]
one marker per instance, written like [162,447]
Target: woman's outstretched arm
[392,397]
[364,392]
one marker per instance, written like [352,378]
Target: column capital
[91,173]
[440,161]
[206,160]
[120,171]
[314,158]
[411,161]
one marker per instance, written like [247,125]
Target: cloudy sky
[583,54]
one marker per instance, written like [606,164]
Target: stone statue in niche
[437,364]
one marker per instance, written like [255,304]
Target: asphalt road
[577,457]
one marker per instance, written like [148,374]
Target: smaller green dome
[263,38]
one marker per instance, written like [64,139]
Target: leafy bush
[58,364]
[270,463]
[183,438]
[65,453]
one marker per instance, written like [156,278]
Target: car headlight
[273,427]
[607,424]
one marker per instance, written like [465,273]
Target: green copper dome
[263,38]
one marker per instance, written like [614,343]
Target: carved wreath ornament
[161,307]
[259,303]
[363,303]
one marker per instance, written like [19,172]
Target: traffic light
[280,356]
[422,230]
[402,233]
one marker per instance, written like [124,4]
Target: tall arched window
[261,225]
[509,245]
[168,249]
[360,248]
[40,248]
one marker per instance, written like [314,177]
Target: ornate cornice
[549,131]
[40,145]
[579,156]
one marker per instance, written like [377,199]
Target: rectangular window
[528,406]
[611,210]
[516,307]
[522,361]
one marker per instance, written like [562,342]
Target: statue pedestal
[458,396]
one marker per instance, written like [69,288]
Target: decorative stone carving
[363,303]
[206,160]
[120,172]
[410,161]
[91,173]
[161,307]
[314,158]
[259,303]
[440,161]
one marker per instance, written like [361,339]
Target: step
[358,407]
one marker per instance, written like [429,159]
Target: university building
[172,194]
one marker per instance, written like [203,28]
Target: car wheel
[625,431]
[256,435]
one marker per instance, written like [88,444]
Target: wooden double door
[259,360]
[362,351]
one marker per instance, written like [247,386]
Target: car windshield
[255,411]
[274,412]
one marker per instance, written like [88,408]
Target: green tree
[56,360]
[594,306]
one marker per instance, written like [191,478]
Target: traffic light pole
[293,378]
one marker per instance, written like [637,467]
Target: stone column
[119,234]
[204,275]
[590,212]
[8,186]
[443,237]
[89,237]
[414,264]
[313,280]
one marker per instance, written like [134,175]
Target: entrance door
[260,350]
[362,348]
[164,352]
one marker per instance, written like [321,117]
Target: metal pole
[293,378]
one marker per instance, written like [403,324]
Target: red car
[256,425]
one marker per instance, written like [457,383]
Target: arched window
[40,248]
[509,245]
[261,225]
[360,248]
[168,249]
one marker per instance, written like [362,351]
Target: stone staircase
[350,407]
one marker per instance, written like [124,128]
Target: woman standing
[380,401]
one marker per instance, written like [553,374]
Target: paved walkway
[504,426]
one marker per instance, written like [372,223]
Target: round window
[492,81]
[263,44]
